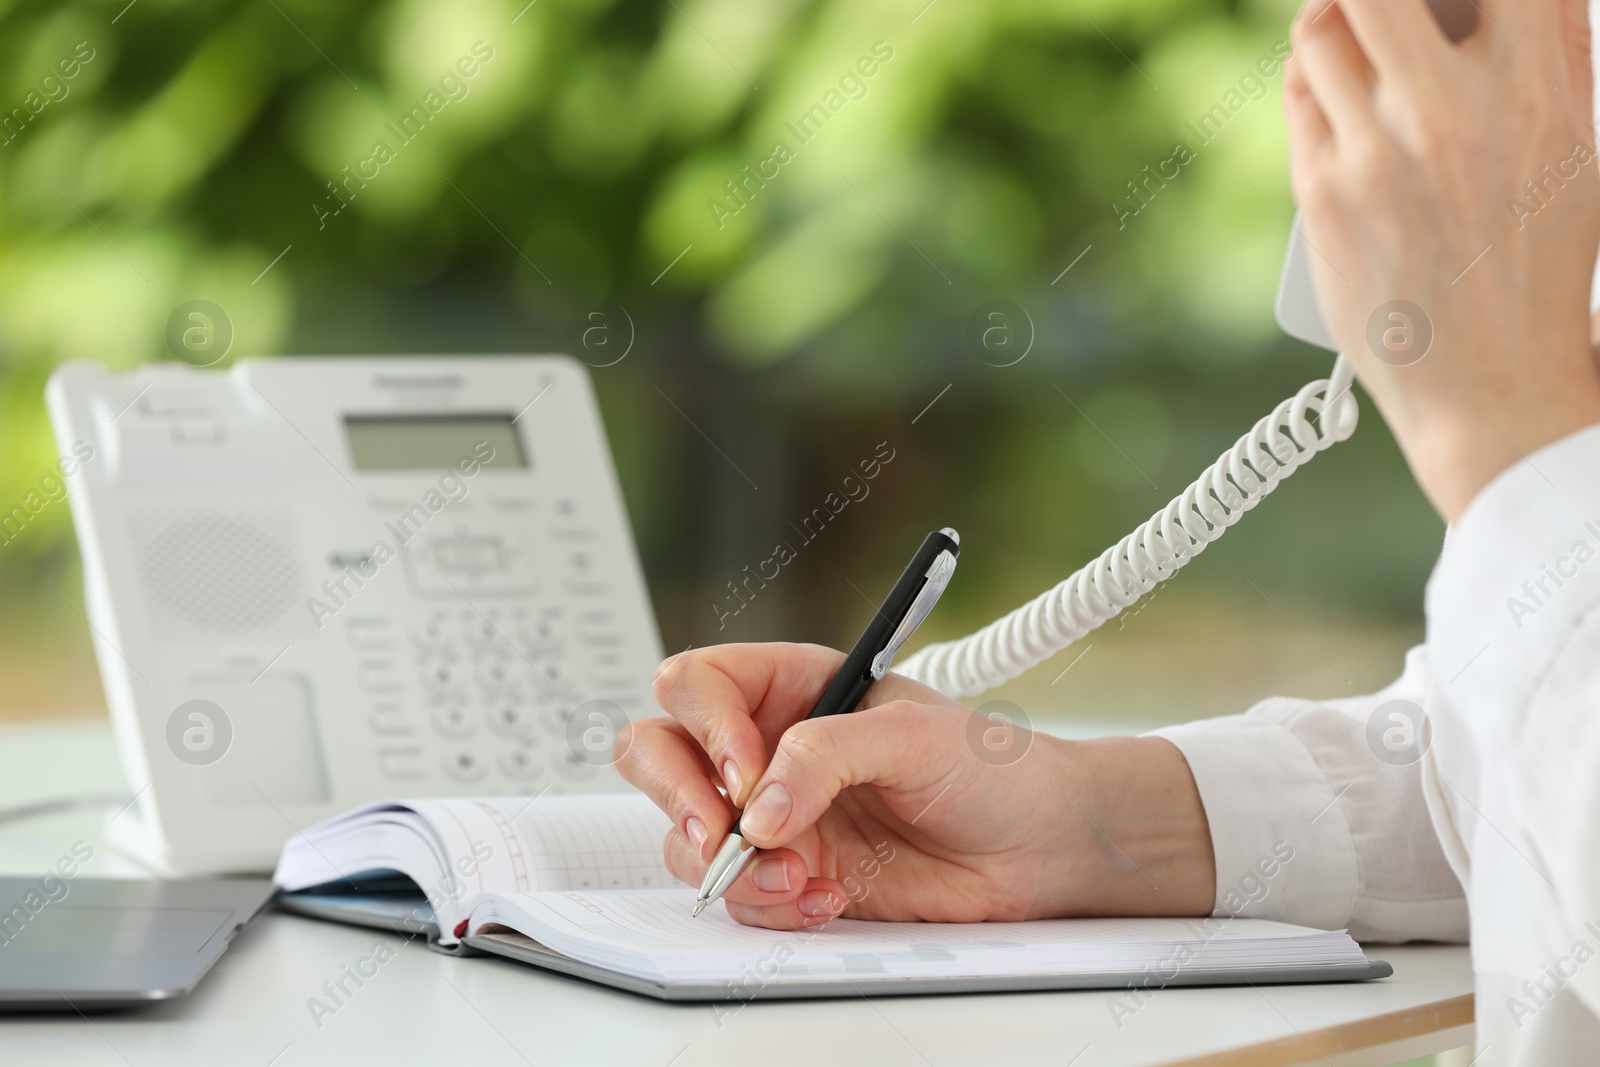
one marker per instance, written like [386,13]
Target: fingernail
[772,876]
[816,902]
[730,778]
[767,812]
[696,829]
[666,663]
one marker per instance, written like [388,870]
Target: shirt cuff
[1518,572]
[1282,844]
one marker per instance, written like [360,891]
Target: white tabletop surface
[425,1008]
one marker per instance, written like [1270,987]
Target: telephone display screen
[433,442]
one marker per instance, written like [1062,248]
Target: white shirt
[1494,829]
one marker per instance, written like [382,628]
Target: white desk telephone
[318,582]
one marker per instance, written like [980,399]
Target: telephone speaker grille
[218,574]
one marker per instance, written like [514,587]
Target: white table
[425,1008]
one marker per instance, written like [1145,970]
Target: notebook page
[593,842]
[651,935]
[528,844]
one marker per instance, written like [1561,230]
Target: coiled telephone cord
[1308,423]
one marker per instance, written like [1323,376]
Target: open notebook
[576,884]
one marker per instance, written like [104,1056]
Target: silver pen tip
[699,906]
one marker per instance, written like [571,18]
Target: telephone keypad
[497,686]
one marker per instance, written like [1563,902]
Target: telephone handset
[1296,306]
[1313,420]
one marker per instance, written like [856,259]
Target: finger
[903,746]
[718,693]
[822,901]
[1335,71]
[1310,134]
[1401,38]
[663,762]
[772,877]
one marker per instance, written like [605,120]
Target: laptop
[85,944]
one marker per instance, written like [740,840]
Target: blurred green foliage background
[584,165]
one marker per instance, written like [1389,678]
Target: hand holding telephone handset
[1314,419]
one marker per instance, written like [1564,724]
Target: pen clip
[943,566]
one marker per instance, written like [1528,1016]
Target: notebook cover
[397,912]
[525,950]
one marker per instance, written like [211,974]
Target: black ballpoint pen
[903,610]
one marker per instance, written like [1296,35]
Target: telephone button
[497,675]
[599,632]
[571,532]
[377,676]
[548,674]
[469,561]
[555,716]
[582,574]
[482,631]
[469,555]
[433,632]
[442,676]
[400,763]
[198,432]
[538,634]
[390,720]
[508,718]
[464,765]
[452,720]
[521,763]
[369,634]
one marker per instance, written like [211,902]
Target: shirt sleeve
[1514,624]
[1314,820]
